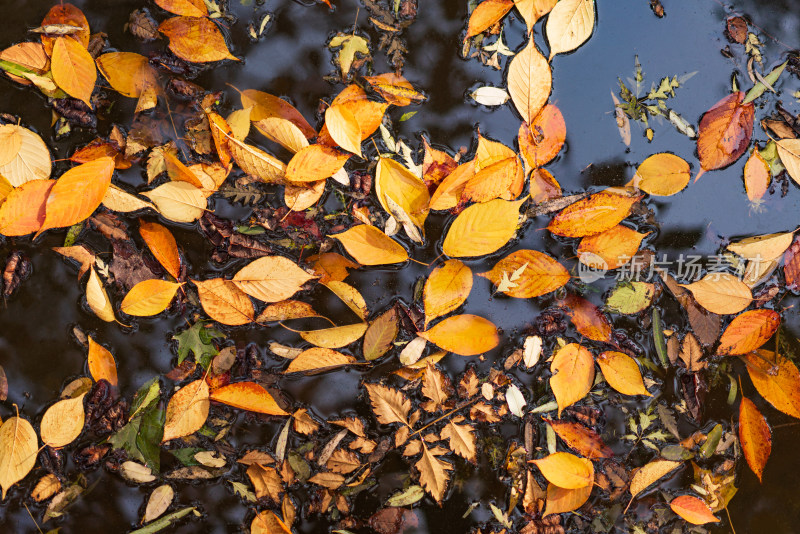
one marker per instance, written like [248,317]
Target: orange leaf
[541,141]
[331,266]
[149,297]
[220,133]
[197,40]
[77,193]
[561,500]
[610,249]
[344,128]
[487,14]
[533,10]
[693,510]
[572,375]
[587,318]
[395,89]
[582,439]
[566,470]
[757,176]
[23,211]
[543,186]
[755,436]
[749,331]
[186,8]
[128,73]
[502,179]
[286,309]
[725,132]
[662,174]
[791,265]
[266,105]
[73,69]
[436,164]
[314,163]
[248,396]
[101,363]
[267,522]
[69,15]
[162,244]
[531,274]
[178,172]
[448,194]
[224,302]
[98,149]
[622,373]
[370,246]
[777,379]
[446,289]
[466,335]
[589,216]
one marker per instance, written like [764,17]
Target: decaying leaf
[725,132]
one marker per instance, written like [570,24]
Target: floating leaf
[561,500]
[721,293]
[286,309]
[380,335]
[271,278]
[267,522]
[284,132]
[97,298]
[529,81]
[539,274]
[592,215]
[336,337]
[757,176]
[73,69]
[187,410]
[23,210]
[754,436]
[257,163]
[725,132]
[389,405]
[572,375]
[162,244]
[622,373]
[128,73]
[490,96]
[18,448]
[446,289]
[247,396]
[502,179]
[610,249]
[62,423]
[466,335]
[318,359]
[569,25]
[461,438]
[314,163]
[344,129]
[350,296]
[630,298]
[487,14]
[68,15]
[748,331]
[482,228]
[651,473]
[178,201]
[224,302]
[582,439]
[448,194]
[158,502]
[369,246]
[533,10]
[393,181]
[777,379]
[763,248]
[693,510]
[265,105]
[31,160]
[195,39]
[542,140]
[588,319]
[101,363]
[662,174]
[566,470]
[789,152]
[184,8]
[149,297]
[433,473]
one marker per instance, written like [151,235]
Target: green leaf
[759,88]
[125,438]
[149,392]
[72,234]
[165,521]
[630,298]
[186,455]
[198,339]
[408,497]
[658,338]
[148,441]
[405,116]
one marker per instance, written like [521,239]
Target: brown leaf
[266,481]
[390,406]
[462,439]
[691,353]
[588,319]
[581,439]
[433,474]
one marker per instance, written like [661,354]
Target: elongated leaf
[748,331]
[725,132]
[23,210]
[569,25]
[572,375]
[186,8]
[561,500]
[62,423]
[31,160]
[179,201]
[651,473]
[582,439]
[693,510]
[466,335]
[527,274]
[592,215]
[369,246]
[482,228]
[73,69]
[149,297]
[343,128]
[248,396]
[314,163]
[317,359]
[776,379]
[194,39]
[97,298]
[529,81]
[187,410]
[18,446]
[487,14]
[533,10]
[101,363]
[721,293]
[271,278]
[162,244]
[446,289]
[566,470]
[754,436]
[224,302]
[662,174]
[336,337]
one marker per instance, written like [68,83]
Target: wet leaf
[622,373]
[572,375]
[187,410]
[194,39]
[160,499]
[630,298]
[754,436]
[62,423]
[749,331]
[588,319]
[390,406]
[662,174]
[466,335]
[149,297]
[433,474]
[97,298]
[757,176]
[380,335]
[592,215]
[369,246]
[318,359]
[47,486]
[610,249]
[490,96]
[561,500]
[487,14]
[265,105]
[542,140]
[649,474]
[482,228]
[73,69]
[581,439]
[394,181]
[286,309]
[777,379]
[691,353]
[77,193]
[128,73]
[569,25]
[529,81]
[185,8]
[284,132]
[224,302]
[725,132]
[448,194]
[408,497]
[247,396]
[162,244]
[267,522]
[336,337]
[23,211]
[31,161]
[18,448]
[119,200]
[693,510]
[257,163]
[344,129]
[314,163]
[721,293]
[351,297]
[789,152]
[446,289]
[566,470]
[271,278]
[178,201]
[533,10]
[101,363]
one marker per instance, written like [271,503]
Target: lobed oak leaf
[748,331]
[195,39]
[247,396]
[466,335]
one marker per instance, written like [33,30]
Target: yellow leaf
[265,105]
[271,278]
[73,69]
[446,289]
[721,293]
[101,363]
[186,8]
[569,25]
[287,309]
[592,215]
[284,132]
[561,500]
[194,39]
[380,335]
[62,423]
[763,248]
[248,396]
[30,162]
[149,297]
[178,201]
[350,296]
[158,502]
[10,143]
[314,163]
[692,509]
[77,193]
[533,10]
[536,274]
[610,249]
[529,81]
[649,474]
[566,470]
[389,405]
[18,448]
[23,210]
[370,246]
[117,199]
[754,436]
[487,14]
[789,152]
[777,379]
[224,302]
[448,194]
[178,172]
[662,174]
[256,162]
[97,298]
[482,228]
[572,375]
[336,337]
[318,359]
[128,73]
[394,181]
[343,128]
[239,123]
[302,197]
[502,179]
[622,373]
[466,335]
[187,410]
[267,522]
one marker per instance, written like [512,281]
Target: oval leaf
[622,373]
[73,69]
[569,25]
[572,375]
[748,331]
[754,436]
[466,335]
[195,39]
[271,278]
[248,396]
[693,510]
[482,228]
[529,81]
[721,293]
[566,470]
[187,410]
[370,246]
[62,423]
[18,448]
[446,289]
[149,297]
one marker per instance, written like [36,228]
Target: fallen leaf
[487,14]
[529,81]
[662,174]
[569,24]
[581,439]
[68,15]
[119,200]
[62,423]
[184,8]
[448,194]
[314,163]
[394,181]
[47,486]
[224,302]
[533,10]
[265,105]
[160,499]
[327,480]
[789,152]
[749,331]
[31,160]
[502,179]
[466,335]
[693,510]
[691,354]
[286,309]
[370,246]
[128,73]
[482,228]
[73,69]
[561,500]
[23,211]
[267,522]
[344,129]
[622,373]
[351,297]
[649,474]
[541,274]
[754,436]
[247,396]
[178,201]
[446,289]
[542,140]
[490,96]
[566,470]
[588,319]
[336,337]
[763,248]
[187,410]
[101,363]
[631,298]
[572,375]
[592,215]
[97,298]
[777,379]
[515,400]
[318,359]
[271,278]
[721,293]
[725,132]
[389,405]
[433,474]
[757,176]
[162,244]
[284,132]
[149,297]
[195,39]
[18,451]
[380,335]
[257,163]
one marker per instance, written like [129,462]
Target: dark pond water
[40,355]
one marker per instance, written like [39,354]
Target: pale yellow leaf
[649,474]
[569,25]
[187,410]
[62,423]
[271,278]
[529,81]
[30,162]
[179,201]
[18,448]
[721,293]
[97,298]
[343,128]
[335,337]
[318,359]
